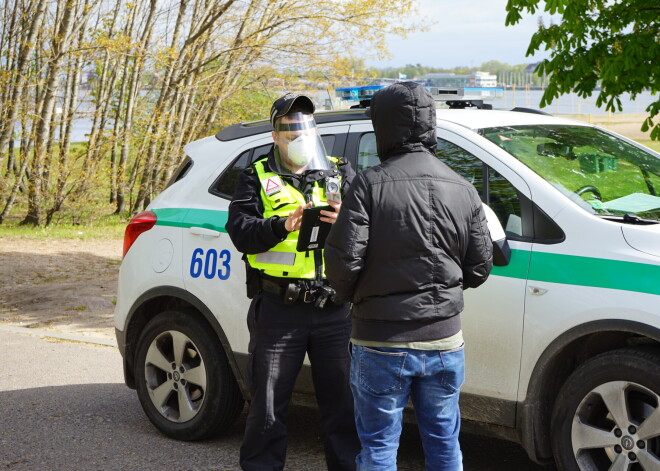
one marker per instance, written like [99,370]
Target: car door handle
[203,231]
[536,291]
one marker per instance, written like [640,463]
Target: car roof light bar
[465,94]
[467,97]
[358,93]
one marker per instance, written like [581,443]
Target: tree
[149,76]
[614,45]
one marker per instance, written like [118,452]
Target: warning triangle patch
[271,185]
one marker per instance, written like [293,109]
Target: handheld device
[313,231]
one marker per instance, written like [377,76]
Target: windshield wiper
[632,219]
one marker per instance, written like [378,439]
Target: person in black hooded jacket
[411,236]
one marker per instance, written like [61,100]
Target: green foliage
[248,104]
[611,45]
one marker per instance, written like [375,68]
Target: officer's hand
[331,216]
[294,220]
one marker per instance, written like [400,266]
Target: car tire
[607,414]
[183,378]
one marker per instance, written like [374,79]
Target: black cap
[283,104]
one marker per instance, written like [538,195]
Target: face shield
[299,147]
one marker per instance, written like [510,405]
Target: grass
[106,227]
[56,278]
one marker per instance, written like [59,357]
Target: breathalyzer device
[333,189]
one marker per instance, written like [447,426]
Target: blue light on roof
[358,93]
[439,93]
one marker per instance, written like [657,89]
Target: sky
[465,33]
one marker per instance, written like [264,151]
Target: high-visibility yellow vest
[283,260]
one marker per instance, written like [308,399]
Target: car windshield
[601,172]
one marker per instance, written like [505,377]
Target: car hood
[643,238]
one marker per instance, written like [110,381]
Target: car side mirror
[501,249]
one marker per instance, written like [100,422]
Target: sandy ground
[628,125]
[67,285]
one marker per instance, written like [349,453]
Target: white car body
[554,304]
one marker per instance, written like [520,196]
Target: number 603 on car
[211,265]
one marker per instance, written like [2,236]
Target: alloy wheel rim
[617,427]
[175,375]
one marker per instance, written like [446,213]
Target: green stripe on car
[543,266]
[184,217]
[595,272]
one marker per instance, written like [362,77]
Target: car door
[493,318]
[493,315]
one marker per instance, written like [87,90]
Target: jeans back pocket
[379,371]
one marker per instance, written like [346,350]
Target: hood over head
[403,116]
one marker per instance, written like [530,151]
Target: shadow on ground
[102,427]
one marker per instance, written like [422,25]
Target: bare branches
[144,77]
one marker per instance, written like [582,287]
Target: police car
[562,341]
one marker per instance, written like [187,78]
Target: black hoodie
[411,233]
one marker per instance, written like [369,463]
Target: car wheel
[607,414]
[183,379]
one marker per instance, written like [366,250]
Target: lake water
[569,104]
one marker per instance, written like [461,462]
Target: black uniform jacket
[246,226]
[411,234]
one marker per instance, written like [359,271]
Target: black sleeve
[347,175]
[478,260]
[246,226]
[346,245]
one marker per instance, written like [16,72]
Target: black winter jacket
[411,233]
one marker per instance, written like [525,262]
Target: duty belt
[298,290]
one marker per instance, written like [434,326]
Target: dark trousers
[279,338]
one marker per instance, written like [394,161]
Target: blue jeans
[382,379]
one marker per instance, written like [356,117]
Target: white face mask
[301,150]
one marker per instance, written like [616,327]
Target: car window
[225,185]
[367,153]
[598,171]
[181,171]
[499,194]
[462,162]
[260,151]
[504,200]
[329,142]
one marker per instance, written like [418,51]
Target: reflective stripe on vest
[276,258]
[283,260]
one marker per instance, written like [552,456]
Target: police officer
[292,312]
